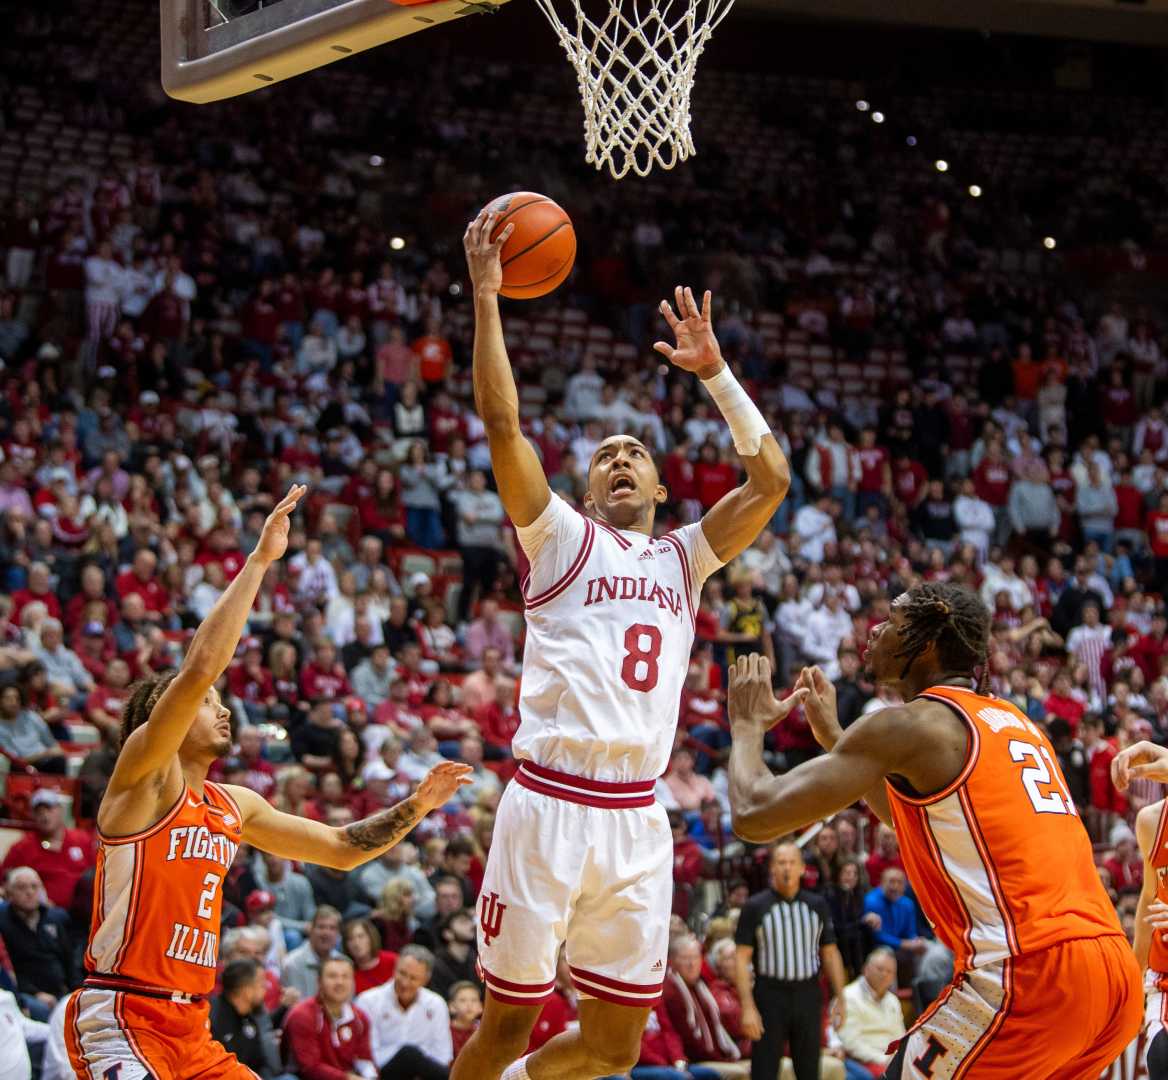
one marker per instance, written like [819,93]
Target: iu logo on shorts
[491,916]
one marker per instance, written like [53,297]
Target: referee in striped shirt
[786,933]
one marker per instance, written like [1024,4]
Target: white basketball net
[636,69]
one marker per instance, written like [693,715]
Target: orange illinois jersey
[999,859]
[158,894]
[1158,860]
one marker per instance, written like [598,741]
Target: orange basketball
[539,253]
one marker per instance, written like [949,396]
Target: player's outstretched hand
[441,782]
[482,253]
[1140,761]
[1157,917]
[274,539]
[820,707]
[752,698]
[697,349]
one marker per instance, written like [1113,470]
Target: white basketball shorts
[586,863]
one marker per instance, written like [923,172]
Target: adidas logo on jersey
[658,966]
[646,554]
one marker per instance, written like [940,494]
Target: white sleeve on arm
[551,543]
[702,560]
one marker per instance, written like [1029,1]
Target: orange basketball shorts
[1064,1013]
[113,1035]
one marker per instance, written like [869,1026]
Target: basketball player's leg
[1001,1014]
[607,1043]
[502,1037]
[524,908]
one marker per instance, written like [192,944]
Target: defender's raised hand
[697,349]
[752,698]
[441,782]
[274,539]
[1140,761]
[482,253]
[820,707]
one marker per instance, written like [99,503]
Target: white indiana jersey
[610,626]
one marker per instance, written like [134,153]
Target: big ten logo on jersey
[605,589]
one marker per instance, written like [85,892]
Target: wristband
[746,423]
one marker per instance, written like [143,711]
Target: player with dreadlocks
[989,834]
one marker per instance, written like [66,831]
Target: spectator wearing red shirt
[39,589]
[434,353]
[909,481]
[1061,703]
[250,681]
[103,705]
[1106,800]
[327,1036]
[223,548]
[499,721]
[687,863]
[1125,865]
[261,321]
[713,477]
[678,474]
[885,854]
[59,855]
[1152,647]
[466,1008]
[92,591]
[1118,404]
[875,486]
[992,479]
[691,1008]
[354,300]
[323,677]
[1027,373]
[1157,529]
[140,580]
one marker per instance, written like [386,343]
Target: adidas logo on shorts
[658,966]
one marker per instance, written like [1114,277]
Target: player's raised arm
[152,748]
[523,488]
[734,522]
[1147,823]
[344,848]
[764,806]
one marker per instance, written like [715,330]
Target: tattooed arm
[292,837]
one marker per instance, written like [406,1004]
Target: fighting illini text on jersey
[999,859]
[157,898]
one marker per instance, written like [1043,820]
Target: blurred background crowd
[202,306]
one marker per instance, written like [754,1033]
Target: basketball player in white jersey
[582,854]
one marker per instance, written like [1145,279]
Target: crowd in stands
[187,329]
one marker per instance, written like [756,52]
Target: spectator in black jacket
[933,517]
[1068,612]
[240,1022]
[38,939]
[456,959]
[851,693]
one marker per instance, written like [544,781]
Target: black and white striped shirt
[786,935]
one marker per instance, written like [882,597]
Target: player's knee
[504,1035]
[616,1052]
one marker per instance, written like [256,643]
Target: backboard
[215,49]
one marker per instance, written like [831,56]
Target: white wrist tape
[746,423]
